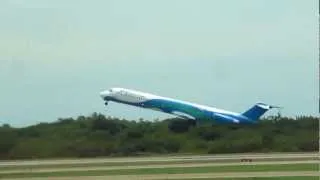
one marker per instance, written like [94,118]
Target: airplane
[183,109]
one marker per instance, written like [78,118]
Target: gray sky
[56,56]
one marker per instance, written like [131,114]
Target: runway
[106,165]
[160,159]
[28,170]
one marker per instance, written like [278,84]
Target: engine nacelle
[225,119]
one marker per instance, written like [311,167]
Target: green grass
[102,164]
[175,170]
[262,178]
[279,178]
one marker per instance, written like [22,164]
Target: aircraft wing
[176,113]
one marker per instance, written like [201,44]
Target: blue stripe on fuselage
[169,106]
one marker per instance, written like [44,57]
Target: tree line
[98,135]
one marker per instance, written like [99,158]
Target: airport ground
[229,166]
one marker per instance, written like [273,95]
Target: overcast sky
[56,56]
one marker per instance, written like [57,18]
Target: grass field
[180,170]
[191,169]
[264,178]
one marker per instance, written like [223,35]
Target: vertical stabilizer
[257,111]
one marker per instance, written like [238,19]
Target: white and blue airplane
[183,109]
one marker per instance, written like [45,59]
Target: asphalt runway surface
[159,159]
[93,168]
[164,159]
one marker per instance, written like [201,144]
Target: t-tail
[257,111]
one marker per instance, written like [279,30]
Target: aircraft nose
[104,94]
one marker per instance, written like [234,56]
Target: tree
[97,135]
